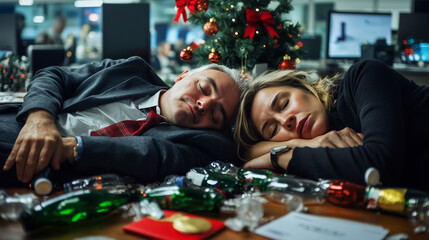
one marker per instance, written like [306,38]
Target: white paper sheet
[299,226]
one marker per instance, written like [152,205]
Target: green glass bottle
[74,207]
[85,204]
[256,177]
[184,198]
[225,183]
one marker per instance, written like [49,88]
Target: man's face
[206,99]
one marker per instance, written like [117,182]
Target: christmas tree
[243,33]
[13,73]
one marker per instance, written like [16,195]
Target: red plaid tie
[130,127]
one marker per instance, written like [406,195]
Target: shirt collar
[151,101]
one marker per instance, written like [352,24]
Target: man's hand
[38,144]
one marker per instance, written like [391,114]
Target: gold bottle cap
[191,225]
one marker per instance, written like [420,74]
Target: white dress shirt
[82,123]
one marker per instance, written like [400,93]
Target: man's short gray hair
[241,82]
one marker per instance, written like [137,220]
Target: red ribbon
[181,4]
[253,18]
[194,45]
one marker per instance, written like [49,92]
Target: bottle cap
[372,176]
[43,186]
[196,178]
[179,181]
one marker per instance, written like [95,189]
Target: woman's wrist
[284,159]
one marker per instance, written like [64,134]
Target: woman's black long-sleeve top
[392,113]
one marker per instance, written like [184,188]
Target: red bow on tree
[194,45]
[181,4]
[253,18]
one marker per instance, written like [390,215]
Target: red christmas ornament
[202,5]
[214,56]
[211,27]
[186,54]
[287,63]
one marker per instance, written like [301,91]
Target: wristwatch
[274,153]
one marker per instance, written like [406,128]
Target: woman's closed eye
[274,129]
[284,104]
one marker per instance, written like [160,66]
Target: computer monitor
[347,31]
[41,56]
[8,32]
[126,30]
[311,45]
[411,25]
[420,6]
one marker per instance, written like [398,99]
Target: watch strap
[275,158]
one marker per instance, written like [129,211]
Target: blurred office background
[96,29]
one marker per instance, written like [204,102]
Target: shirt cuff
[79,148]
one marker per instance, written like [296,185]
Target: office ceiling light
[94,17]
[25,2]
[38,19]
[88,3]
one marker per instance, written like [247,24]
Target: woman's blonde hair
[245,132]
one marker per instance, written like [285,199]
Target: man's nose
[204,104]
[288,121]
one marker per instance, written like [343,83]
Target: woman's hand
[260,152]
[38,144]
[346,137]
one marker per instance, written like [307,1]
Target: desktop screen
[8,37]
[126,30]
[410,26]
[347,31]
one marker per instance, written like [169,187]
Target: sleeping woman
[336,128]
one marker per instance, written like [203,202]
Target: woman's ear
[181,76]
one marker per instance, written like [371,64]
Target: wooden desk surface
[110,227]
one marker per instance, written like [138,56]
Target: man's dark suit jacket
[157,153]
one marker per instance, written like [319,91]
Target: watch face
[279,149]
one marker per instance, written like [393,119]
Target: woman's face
[282,113]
